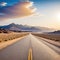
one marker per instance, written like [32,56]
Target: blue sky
[47,13]
[36,1]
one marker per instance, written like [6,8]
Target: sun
[58,16]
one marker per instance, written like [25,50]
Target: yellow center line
[30,54]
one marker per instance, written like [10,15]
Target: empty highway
[29,45]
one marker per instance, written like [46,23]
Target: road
[20,50]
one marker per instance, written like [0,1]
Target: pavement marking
[30,54]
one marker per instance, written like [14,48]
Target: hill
[55,32]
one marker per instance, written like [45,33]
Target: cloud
[16,11]
[3,4]
[38,14]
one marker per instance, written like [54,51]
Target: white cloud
[3,4]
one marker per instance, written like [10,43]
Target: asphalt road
[20,50]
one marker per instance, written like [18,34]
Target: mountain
[55,32]
[17,27]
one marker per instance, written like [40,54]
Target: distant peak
[12,24]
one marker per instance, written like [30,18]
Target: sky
[44,13]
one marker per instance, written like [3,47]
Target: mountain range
[17,27]
[55,32]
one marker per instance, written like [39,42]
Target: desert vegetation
[54,37]
[10,36]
